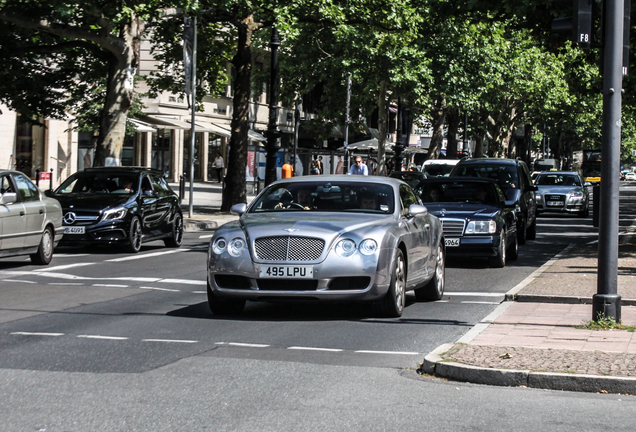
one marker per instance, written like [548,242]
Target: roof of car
[342,177]
[490,160]
[558,172]
[127,169]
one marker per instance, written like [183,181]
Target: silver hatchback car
[30,222]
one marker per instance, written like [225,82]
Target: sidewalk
[531,339]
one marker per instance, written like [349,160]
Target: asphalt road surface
[102,340]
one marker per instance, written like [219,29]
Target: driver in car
[303,199]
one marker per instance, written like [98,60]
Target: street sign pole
[607,302]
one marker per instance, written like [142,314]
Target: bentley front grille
[453,227]
[288,248]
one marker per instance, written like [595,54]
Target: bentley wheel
[220,306]
[392,305]
[434,289]
[44,254]
[499,260]
[134,235]
[177,232]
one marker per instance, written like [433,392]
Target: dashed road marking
[62,267]
[159,289]
[36,334]
[148,255]
[110,285]
[315,349]
[170,340]
[102,337]
[18,280]
[387,352]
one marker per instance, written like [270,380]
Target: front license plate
[555,203]
[452,242]
[301,272]
[74,230]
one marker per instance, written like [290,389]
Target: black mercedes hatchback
[119,205]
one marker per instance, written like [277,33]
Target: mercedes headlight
[116,213]
[368,247]
[219,246]
[236,247]
[481,227]
[345,248]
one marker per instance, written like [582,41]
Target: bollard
[51,180]
[287,171]
[181,187]
[37,177]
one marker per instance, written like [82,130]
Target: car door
[528,190]
[34,209]
[12,217]
[164,202]
[418,237]
[149,203]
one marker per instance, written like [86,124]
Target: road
[112,341]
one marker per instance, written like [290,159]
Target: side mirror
[48,192]
[8,198]
[533,188]
[586,184]
[509,204]
[416,209]
[149,193]
[238,209]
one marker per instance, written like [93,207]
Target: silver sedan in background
[562,191]
[333,238]
[30,222]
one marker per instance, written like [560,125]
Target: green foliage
[605,323]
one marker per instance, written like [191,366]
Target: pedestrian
[314,168]
[359,168]
[219,165]
[340,166]
[321,167]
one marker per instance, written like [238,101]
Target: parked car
[328,238]
[476,219]
[413,178]
[630,176]
[30,222]
[513,177]
[563,192]
[119,205]
[439,167]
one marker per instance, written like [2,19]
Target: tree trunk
[438,117]
[451,136]
[119,94]
[235,190]
[382,127]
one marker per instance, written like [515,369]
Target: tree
[79,43]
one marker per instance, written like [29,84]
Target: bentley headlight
[345,248]
[368,247]
[236,247]
[219,246]
[116,213]
[481,227]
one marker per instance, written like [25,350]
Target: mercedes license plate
[74,230]
[301,272]
[452,241]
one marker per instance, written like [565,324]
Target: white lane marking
[249,345]
[158,289]
[387,352]
[102,337]
[36,334]
[206,236]
[473,294]
[170,340]
[68,255]
[183,281]
[148,255]
[66,283]
[314,349]
[199,292]
[110,285]
[480,302]
[18,280]
[62,267]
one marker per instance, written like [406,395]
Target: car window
[327,197]
[407,197]
[26,188]
[504,174]
[99,183]
[146,185]
[459,191]
[6,185]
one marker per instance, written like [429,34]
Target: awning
[141,126]
[368,145]
[170,123]
[251,134]
[211,128]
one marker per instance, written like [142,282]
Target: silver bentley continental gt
[333,238]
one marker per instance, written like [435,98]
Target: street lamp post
[607,302]
[272,134]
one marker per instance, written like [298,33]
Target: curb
[540,298]
[434,364]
